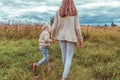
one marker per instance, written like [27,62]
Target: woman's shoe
[63,78]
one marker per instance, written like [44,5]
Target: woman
[66,29]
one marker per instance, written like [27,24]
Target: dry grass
[99,59]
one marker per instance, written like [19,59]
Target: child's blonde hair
[46,25]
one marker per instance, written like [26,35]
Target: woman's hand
[80,45]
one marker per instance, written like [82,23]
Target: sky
[96,12]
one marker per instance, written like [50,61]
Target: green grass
[99,59]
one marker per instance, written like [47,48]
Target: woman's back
[67,27]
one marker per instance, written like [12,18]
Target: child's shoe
[35,66]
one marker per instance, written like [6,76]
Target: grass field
[99,59]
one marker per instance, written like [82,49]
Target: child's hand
[53,41]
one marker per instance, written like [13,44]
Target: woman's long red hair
[68,8]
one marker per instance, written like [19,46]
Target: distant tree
[98,25]
[88,25]
[52,20]
[114,25]
[106,25]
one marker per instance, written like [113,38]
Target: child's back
[44,39]
[44,43]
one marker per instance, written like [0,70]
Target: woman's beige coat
[66,28]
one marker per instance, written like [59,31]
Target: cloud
[89,10]
[100,4]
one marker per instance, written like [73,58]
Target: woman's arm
[55,23]
[78,29]
[78,32]
[79,35]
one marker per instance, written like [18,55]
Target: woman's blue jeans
[67,49]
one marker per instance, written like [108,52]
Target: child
[44,43]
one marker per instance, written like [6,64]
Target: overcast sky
[90,11]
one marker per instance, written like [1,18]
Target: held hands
[53,40]
[50,41]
